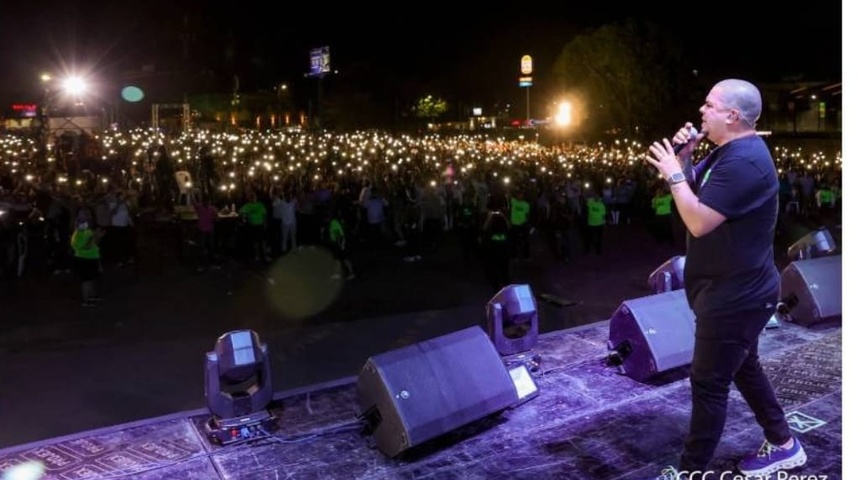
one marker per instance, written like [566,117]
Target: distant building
[802,108]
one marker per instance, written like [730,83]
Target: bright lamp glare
[562,117]
[74,85]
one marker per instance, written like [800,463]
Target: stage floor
[588,422]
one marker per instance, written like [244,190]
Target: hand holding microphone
[664,155]
[687,136]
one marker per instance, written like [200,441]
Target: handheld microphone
[693,133]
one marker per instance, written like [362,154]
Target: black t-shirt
[732,268]
[497,232]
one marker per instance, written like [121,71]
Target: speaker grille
[653,333]
[812,290]
[424,390]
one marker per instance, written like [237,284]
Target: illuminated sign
[525,81]
[24,110]
[320,61]
[526,65]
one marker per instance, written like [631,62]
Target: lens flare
[304,283]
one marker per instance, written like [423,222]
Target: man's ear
[735,113]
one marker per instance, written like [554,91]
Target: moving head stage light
[817,243]
[512,319]
[238,383]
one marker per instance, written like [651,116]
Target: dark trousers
[431,234]
[413,239]
[726,350]
[625,212]
[120,242]
[520,241]
[594,239]
[663,230]
[307,229]
[58,245]
[497,261]
[468,238]
[207,249]
[561,241]
[256,242]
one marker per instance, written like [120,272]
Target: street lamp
[46,79]
[75,87]
[57,91]
[563,114]
[562,119]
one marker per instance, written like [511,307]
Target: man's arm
[699,218]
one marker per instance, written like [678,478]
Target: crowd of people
[254,196]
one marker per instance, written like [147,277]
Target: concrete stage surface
[588,422]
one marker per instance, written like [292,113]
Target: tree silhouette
[625,75]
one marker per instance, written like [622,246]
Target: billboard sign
[320,61]
[24,110]
[526,65]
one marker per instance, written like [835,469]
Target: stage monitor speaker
[651,335]
[415,393]
[811,290]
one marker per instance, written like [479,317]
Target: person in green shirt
[254,214]
[520,225]
[87,260]
[466,225]
[596,220]
[825,199]
[496,248]
[661,203]
[335,237]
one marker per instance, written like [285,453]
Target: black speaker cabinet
[421,391]
[653,334]
[811,290]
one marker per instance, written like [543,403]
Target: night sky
[472,49]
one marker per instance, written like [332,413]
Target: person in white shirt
[374,209]
[284,209]
[120,231]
